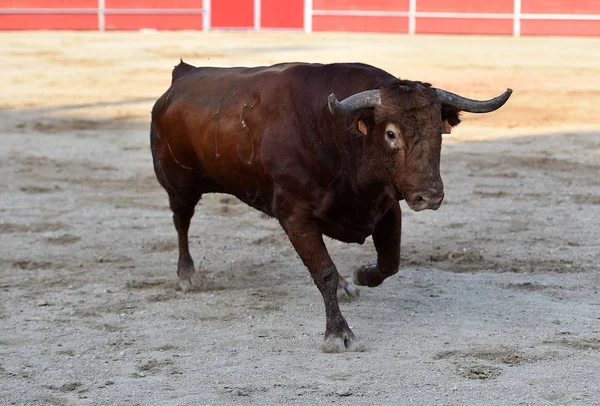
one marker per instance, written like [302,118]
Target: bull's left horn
[363,100]
[470,105]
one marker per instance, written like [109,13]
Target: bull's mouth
[416,205]
[399,196]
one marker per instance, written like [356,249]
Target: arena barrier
[493,17]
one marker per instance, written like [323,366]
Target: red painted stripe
[360,24]
[159,22]
[560,6]
[278,14]
[48,3]
[466,6]
[463,26]
[232,13]
[560,27]
[380,5]
[197,4]
[48,22]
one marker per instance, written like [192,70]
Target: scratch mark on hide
[247,129]
[175,159]
[253,202]
[217,116]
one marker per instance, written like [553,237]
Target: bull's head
[403,127]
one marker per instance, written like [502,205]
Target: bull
[278,139]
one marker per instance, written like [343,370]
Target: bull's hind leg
[183,205]
[181,184]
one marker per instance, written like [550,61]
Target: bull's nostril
[419,199]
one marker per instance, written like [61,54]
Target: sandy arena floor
[497,301]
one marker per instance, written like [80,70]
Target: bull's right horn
[364,100]
[470,105]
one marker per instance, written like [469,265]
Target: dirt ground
[496,303]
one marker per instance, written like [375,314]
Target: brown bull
[278,139]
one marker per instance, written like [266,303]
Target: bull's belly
[351,224]
[354,232]
[257,201]
[242,181]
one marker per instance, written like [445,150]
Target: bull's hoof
[351,290]
[368,275]
[185,272]
[342,342]
[185,285]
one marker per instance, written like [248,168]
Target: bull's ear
[446,127]
[363,124]
[362,127]
[450,118]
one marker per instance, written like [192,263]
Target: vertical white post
[308,15]
[412,16]
[517,19]
[205,15]
[101,16]
[257,6]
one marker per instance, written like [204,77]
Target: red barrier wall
[17,21]
[83,14]
[363,23]
[156,21]
[560,6]
[440,25]
[460,16]
[232,14]
[536,17]
[387,5]
[48,3]
[48,22]
[282,14]
[561,27]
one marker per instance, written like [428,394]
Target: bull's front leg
[386,238]
[308,242]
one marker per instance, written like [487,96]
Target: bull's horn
[363,100]
[470,105]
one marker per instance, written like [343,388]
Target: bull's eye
[391,135]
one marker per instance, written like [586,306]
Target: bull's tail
[180,70]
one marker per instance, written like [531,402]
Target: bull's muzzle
[431,200]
